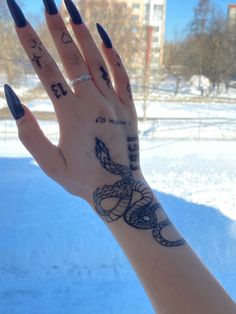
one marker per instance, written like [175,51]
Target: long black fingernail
[74,12]
[17,14]
[50,6]
[104,36]
[14,103]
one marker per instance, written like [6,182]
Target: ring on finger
[80,79]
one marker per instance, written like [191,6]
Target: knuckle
[49,69]
[72,58]
[51,170]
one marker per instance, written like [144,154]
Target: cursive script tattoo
[103,120]
[138,213]
[58,90]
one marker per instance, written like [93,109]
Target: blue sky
[179,13]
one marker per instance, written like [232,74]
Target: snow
[58,257]
[165,109]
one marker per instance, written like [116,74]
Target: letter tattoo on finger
[58,90]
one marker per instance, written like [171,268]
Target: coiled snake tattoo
[140,214]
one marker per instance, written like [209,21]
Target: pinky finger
[46,154]
[121,78]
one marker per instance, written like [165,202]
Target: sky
[178,14]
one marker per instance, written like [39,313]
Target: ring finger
[91,53]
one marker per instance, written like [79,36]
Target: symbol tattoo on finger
[58,90]
[36,59]
[36,44]
[105,76]
[118,63]
[66,38]
[129,91]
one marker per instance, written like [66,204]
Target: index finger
[44,65]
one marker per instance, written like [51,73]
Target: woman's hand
[96,120]
[97,158]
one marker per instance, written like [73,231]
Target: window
[135,17]
[157,12]
[134,29]
[136,6]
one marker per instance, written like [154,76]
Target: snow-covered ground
[57,257]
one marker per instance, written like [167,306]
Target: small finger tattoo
[35,44]
[129,91]
[118,63]
[105,76]
[36,59]
[58,90]
[66,38]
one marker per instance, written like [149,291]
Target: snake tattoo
[141,213]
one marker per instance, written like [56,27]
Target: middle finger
[70,55]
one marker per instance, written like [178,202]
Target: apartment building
[232,18]
[152,14]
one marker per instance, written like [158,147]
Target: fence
[162,128]
[189,128]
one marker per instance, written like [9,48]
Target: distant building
[232,18]
[152,15]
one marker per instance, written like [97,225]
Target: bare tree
[13,62]
[116,17]
[207,50]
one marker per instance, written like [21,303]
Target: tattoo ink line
[104,120]
[58,90]
[140,214]
[133,149]
[105,76]
[118,63]
[132,138]
[36,60]
[129,91]
[35,44]
[66,39]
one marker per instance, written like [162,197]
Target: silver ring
[82,78]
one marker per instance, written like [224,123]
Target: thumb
[47,155]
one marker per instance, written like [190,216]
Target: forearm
[174,277]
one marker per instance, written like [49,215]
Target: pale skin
[174,278]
